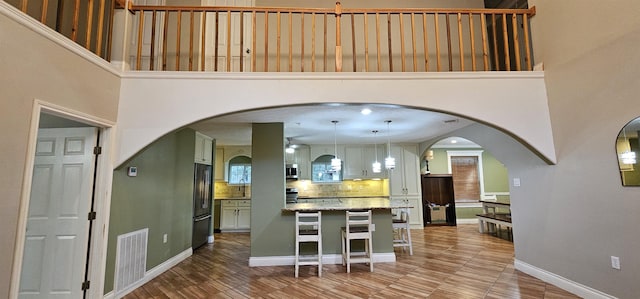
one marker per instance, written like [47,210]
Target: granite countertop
[343,204]
[341,197]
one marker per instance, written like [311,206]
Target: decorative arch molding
[155,103]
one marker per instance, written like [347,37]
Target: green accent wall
[496,177]
[272,230]
[159,198]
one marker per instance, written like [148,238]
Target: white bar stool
[358,227]
[401,230]
[308,229]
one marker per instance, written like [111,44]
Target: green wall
[272,230]
[159,198]
[496,178]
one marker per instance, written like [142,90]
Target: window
[321,170]
[240,170]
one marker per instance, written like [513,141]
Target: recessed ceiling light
[365,111]
[454,141]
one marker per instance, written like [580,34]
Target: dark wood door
[437,190]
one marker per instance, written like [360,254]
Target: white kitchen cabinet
[302,158]
[318,150]
[358,162]
[204,149]
[415,212]
[404,181]
[235,215]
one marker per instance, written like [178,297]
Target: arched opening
[477,175]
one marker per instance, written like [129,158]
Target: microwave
[291,171]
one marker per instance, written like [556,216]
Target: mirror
[627,149]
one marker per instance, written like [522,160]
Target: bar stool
[401,230]
[308,229]
[358,227]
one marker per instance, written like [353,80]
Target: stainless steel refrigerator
[202,196]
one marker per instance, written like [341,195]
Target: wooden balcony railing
[268,39]
[271,39]
[86,22]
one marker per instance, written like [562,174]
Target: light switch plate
[132,171]
[516,182]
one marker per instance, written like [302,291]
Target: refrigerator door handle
[202,218]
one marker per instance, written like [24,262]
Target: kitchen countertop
[344,204]
[342,197]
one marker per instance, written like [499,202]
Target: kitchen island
[342,204]
[333,219]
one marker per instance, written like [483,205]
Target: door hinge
[86,285]
[92,216]
[97,150]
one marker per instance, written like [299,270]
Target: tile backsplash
[308,189]
[344,188]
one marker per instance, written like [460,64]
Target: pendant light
[336,163]
[389,162]
[376,167]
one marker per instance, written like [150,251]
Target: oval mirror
[627,148]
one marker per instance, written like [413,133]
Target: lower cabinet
[415,212]
[235,215]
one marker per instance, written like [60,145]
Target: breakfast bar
[333,220]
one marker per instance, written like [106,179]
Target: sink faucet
[244,187]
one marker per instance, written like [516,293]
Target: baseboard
[559,281]
[467,221]
[329,259]
[153,273]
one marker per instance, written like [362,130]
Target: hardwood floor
[448,262]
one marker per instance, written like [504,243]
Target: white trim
[467,221]
[559,281]
[52,35]
[103,192]
[329,259]
[476,153]
[153,273]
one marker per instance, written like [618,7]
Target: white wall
[152,104]
[34,65]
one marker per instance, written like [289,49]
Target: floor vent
[131,259]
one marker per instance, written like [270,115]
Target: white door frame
[102,202]
[473,153]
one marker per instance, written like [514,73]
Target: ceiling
[311,124]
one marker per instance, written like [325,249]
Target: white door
[233,43]
[147,40]
[57,225]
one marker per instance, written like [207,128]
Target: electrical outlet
[373,227]
[164,238]
[615,262]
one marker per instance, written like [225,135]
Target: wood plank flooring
[448,262]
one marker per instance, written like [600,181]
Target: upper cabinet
[204,149]
[301,156]
[404,180]
[358,162]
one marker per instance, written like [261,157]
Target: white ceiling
[311,124]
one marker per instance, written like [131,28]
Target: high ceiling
[311,124]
